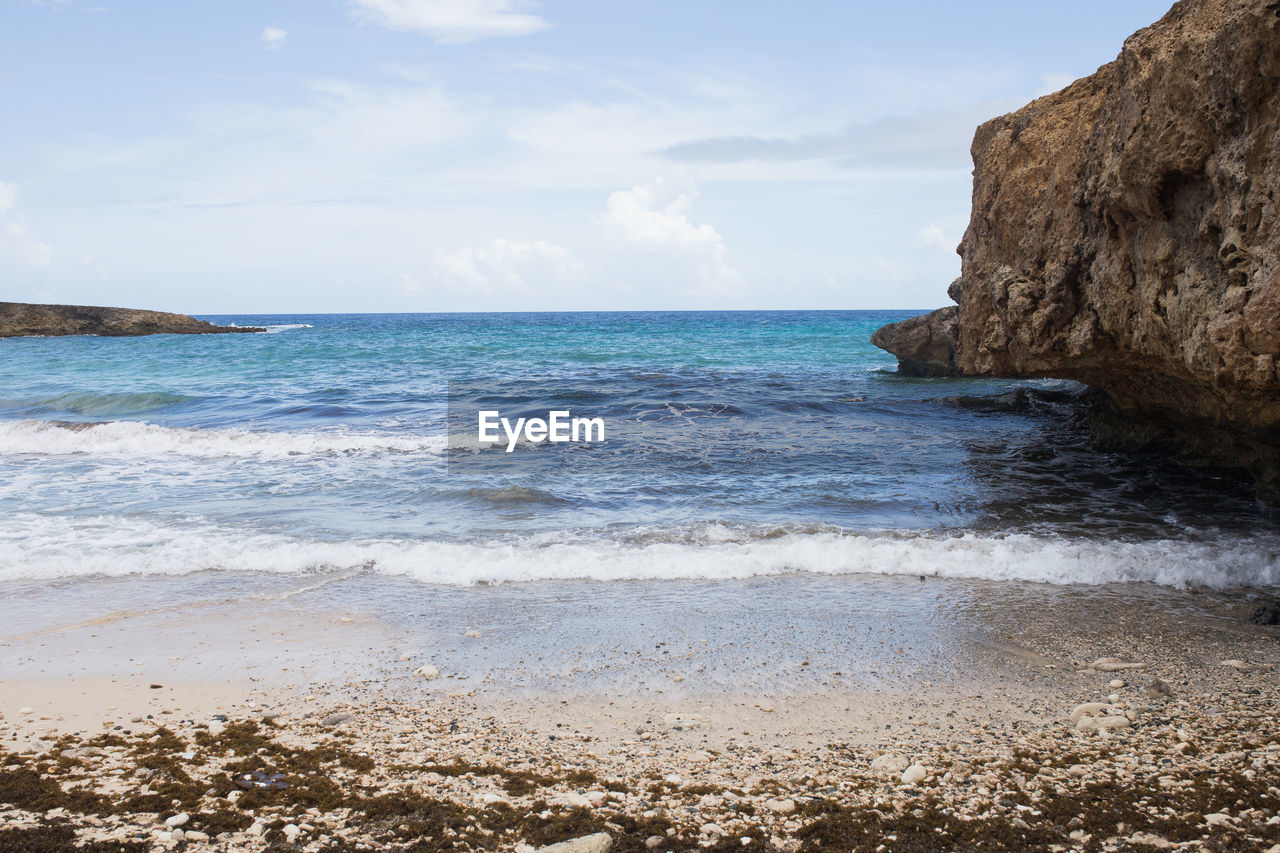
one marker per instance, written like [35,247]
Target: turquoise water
[737,444]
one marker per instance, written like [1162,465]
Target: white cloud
[274,38]
[934,140]
[454,21]
[17,243]
[933,236]
[655,217]
[503,267]
[1050,83]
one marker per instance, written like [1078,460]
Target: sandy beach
[856,712]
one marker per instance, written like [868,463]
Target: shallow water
[739,444]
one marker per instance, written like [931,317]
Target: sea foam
[36,547]
[136,439]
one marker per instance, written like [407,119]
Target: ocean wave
[136,439]
[106,403]
[285,327]
[43,547]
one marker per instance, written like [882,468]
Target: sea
[736,445]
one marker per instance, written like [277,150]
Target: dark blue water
[737,443]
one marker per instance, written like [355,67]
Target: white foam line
[33,547]
[135,439]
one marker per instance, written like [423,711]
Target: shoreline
[545,701]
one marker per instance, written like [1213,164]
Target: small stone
[1115,665]
[600,842]
[1113,698]
[889,763]
[427,671]
[194,835]
[1158,689]
[913,774]
[473,633]
[180,819]
[178,835]
[672,778]
[711,829]
[1101,724]
[291,832]
[654,841]
[1218,819]
[1078,770]
[338,719]
[1245,666]
[1090,709]
[1146,839]
[780,806]
[596,798]
[1116,683]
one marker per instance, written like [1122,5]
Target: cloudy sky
[440,155]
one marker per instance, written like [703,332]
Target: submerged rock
[1267,614]
[1125,233]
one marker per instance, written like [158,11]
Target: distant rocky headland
[1125,233]
[19,319]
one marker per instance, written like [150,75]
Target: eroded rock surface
[1124,233]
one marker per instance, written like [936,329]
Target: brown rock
[1125,233]
[19,319]
[925,345]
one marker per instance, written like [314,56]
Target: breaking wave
[36,547]
[136,439]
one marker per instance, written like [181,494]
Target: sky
[297,156]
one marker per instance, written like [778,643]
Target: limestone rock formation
[1125,233]
[18,319]
[925,345]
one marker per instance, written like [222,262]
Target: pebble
[291,832]
[889,763]
[427,671]
[180,819]
[1158,689]
[913,774]
[1115,665]
[1090,709]
[1245,666]
[1116,684]
[338,719]
[600,842]
[1102,724]
[781,806]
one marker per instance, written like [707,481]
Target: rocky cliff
[19,319]
[1125,233]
